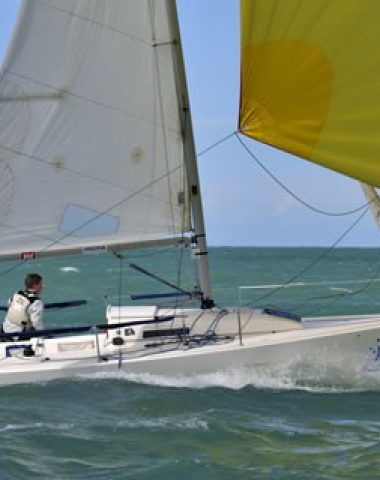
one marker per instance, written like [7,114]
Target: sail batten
[309,86]
[91,144]
[59,7]
[55,93]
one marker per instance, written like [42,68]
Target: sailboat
[95,121]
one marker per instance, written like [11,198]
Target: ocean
[229,425]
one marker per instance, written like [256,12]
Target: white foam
[36,425]
[173,422]
[70,269]
[340,289]
[318,379]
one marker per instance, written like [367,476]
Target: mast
[190,159]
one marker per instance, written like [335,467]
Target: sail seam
[28,232]
[161,44]
[84,175]
[153,34]
[109,209]
[61,92]
[42,96]
[96,217]
[94,22]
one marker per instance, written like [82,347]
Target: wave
[70,269]
[172,423]
[341,289]
[316,379]
[36,425]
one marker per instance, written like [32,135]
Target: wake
[304,377]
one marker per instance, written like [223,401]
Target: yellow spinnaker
[310,81]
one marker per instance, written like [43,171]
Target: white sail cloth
[91,151]
[373,200]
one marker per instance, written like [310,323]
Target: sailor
[25,309]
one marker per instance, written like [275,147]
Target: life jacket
[18,313]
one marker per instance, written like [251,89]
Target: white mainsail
[91,143]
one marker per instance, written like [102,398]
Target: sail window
[82,222]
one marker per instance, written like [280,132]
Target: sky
[242,205]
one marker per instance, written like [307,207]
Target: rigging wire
[167,175]
[293,194]
[278,181]
[362,207]
[317,259]
[120,281]
[120,342]
[216,144]
[338,296]
[88,222]
[320,257]
[227,137]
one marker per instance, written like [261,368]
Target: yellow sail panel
[310,81]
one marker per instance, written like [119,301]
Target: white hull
[349,342]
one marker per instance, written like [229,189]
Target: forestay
[310,81]
[91,151]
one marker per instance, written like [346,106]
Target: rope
[317,259]
[338,296]
[159,279]
[216,144]
[294,195]
[120,257]
[364,207]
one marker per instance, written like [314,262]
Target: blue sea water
[237,424]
